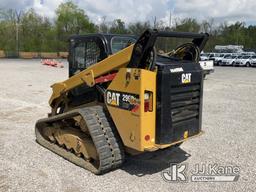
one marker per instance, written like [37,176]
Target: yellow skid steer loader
[124,97]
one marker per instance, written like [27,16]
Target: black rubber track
[103,133]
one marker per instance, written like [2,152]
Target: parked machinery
[131,101]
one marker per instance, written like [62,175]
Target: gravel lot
[228,121]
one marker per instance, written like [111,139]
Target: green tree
[118,27]
[103,26]
[138,27]
[188,24]
[250,37]
[71,20]
[9,23]
[33,32]
[233,34]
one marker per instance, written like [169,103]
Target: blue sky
[142,10]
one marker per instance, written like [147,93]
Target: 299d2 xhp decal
[122,100]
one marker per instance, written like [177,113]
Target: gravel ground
[228,121]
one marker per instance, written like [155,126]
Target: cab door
[85,51]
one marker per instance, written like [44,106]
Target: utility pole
[170,20]
[155,22]
[17,38]
[18,15]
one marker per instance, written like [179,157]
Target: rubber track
[102,130]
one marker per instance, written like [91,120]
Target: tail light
[148,101]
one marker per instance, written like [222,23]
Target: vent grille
[185,102]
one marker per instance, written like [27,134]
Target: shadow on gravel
[154,162]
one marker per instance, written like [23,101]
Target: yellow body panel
[134,126]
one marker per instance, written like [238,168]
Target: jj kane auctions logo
[201,173]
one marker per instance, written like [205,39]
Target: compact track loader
[124,97]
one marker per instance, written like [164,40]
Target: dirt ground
[228,121]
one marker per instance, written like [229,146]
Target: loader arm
[88,76]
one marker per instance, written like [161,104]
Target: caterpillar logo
[186,78]
[113,98]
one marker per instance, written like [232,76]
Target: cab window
[84,53]
[79,56]
[88,52]
[92,53]
[119,43]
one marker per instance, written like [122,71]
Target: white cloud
[236,10]
[46,8]
[129,11]
[146,10]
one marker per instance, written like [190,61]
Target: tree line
[28,31]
